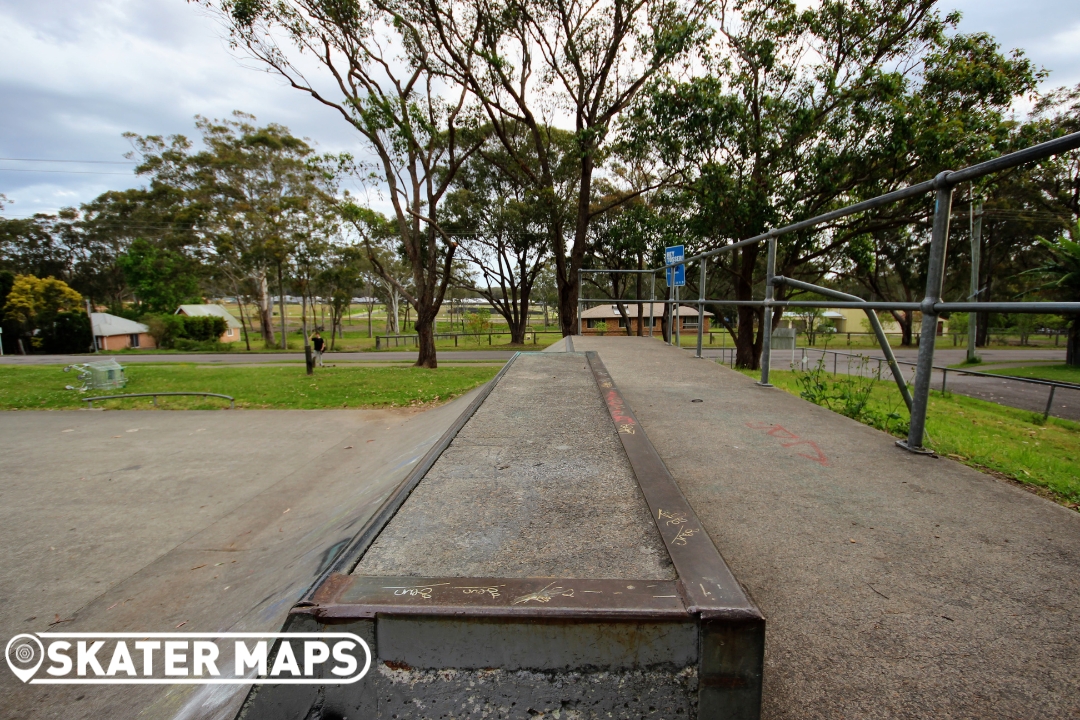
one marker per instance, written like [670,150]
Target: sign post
[676,278]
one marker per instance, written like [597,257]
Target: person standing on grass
[317,344]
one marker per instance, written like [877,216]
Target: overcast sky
[76,74]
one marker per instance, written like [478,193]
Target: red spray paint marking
[615,407]
[778,431]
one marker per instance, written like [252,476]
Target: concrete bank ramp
[545,565]
[194,523]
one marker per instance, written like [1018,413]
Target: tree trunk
[281,309]
[243,321]
[425,333]
[1072,346]
[747,346]
[266,309]
[517,329]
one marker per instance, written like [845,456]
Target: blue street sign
[675,254]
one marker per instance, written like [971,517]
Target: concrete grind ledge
[546,564]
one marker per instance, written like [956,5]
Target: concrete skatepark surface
[199,520]
[894,585]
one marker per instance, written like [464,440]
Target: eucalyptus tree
[501,227]
[255,189]
[374,72]
[534,65]
[805,111]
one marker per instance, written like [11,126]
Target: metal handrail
[931,306]
[91,400]
[436,336]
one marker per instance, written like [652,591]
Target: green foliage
[600,327]
[850,395]
[69,333]
[42,311]
[200,332]
[202,328]
[161,279]
[478,321]
[165,328]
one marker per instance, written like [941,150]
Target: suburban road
[251,358]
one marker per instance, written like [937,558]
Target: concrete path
[449,356]
[894,585]
[202,521]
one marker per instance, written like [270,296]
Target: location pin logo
[24,655]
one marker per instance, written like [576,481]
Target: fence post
[939,241]
[701,306]
[1049,402]
[579,317]
[976,248]
[766,320]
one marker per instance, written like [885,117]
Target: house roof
[601,312]
[106,325]
[211,310]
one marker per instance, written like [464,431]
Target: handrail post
[669,293]
[701,306]
[935,276]
[766,321]
[579,302]
[652,303]
[675,312]
[579,306]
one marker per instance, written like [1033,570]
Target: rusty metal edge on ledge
[350,556]
[352,596]
[710,588]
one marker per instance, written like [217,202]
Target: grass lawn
[989,437]
[1060,373]
[42,387]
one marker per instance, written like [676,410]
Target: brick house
[609,315]
[112,332]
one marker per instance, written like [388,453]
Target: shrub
[165,329]
[204,327]
[169,330]
[189,345]
[69,333]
